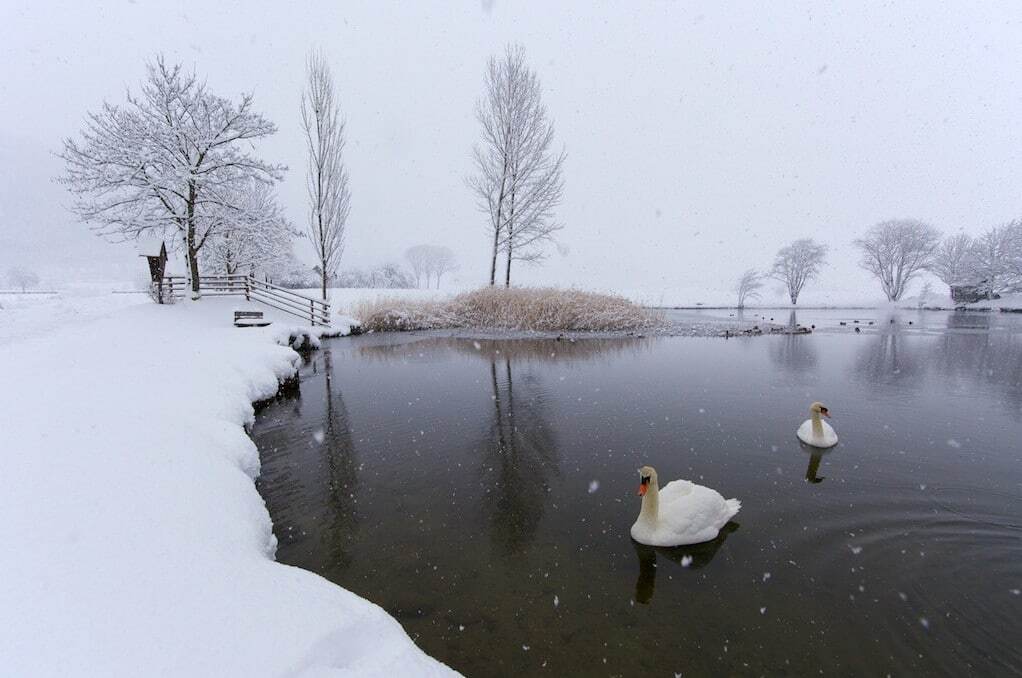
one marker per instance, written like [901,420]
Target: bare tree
[441,261]
[798,263]
[254,234]
[168,161]
[418,258]
[748,286]
[518,180]
[22,278]
[327,180]
[896,251]
[952,261]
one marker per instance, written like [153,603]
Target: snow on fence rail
[316,311]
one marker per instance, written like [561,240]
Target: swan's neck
[817,425]
[650,511]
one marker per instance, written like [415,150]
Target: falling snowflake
[762,610]
[951,442]
[477,345]
[766,576]
[686,561]
[319,436]
[593,486]
[557,601]
[925,622]
[856,550]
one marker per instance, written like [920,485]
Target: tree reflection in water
[794,352]
[519,461]
[693,557]
[888,357]
[341,472]
[975,347]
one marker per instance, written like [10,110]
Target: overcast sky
[700,136]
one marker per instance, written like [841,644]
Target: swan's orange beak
[643,486]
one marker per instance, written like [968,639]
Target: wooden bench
[249,319]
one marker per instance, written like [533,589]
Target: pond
[481,491]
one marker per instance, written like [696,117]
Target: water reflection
[815,457]
[692,557]
[794,352]
[341,471]
[980,351]
[517,566]
[519,460]
[547,350]
[888,356]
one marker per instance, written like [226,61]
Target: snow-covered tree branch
[167,162]
[896,251]
[797,263]
[252,234]
[952,261]
[748,286]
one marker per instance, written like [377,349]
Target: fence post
[312,312]
[246,287]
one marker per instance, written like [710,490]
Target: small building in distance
[968,294]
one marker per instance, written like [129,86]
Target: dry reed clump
[400,315]
[522,309]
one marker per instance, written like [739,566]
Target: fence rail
[316,311]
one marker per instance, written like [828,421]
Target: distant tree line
[898,251]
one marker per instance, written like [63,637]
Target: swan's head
[819,408]
[647,475]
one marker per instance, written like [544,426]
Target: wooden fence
[316,311]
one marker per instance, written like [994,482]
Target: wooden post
[246,288]
[312,312]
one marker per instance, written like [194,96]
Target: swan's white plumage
[805,434]
[687,514]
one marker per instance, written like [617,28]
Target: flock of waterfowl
[685,513]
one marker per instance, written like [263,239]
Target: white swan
[681,513]
[815,431]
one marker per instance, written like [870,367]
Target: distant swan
[681,513]
[815,431]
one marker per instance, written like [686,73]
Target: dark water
[482,491]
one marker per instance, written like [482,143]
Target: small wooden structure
[249,319]
[155,252]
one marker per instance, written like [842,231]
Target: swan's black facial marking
[824,410]
[645,480]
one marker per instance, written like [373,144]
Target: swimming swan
[681,513]
[816,432]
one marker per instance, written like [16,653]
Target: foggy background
[700,137]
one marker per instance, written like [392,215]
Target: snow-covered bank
[137,542]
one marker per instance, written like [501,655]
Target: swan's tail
[733,505]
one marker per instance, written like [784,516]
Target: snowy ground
[137,543]
[27,315]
